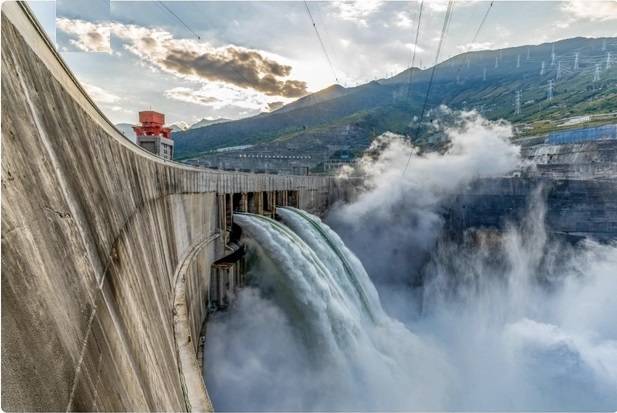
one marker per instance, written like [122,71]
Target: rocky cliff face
[575,207]
[579,182]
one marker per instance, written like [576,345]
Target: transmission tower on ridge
[576,61]
[517,103]
[518,61]
[553,55]
[484,74]
[596,74]
[542,69]
[558,76]
[608,60]
[496,62]
[549,94]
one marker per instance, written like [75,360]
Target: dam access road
[107,250]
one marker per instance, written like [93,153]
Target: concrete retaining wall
[106,249]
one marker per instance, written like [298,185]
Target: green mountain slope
[583,81]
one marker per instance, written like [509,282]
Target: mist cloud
[527,321]
[508,319]
[519,313]
[406,202]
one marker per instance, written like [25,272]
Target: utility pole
[549,95]
[596,74]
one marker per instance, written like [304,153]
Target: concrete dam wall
[107,250]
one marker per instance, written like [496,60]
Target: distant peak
[207,122]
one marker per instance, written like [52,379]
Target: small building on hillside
[153,136]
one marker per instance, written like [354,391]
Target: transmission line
[475,36]
[446,22]
[323,47]
[179,19]
[415,47]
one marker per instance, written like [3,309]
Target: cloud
[192,96]
[438,5]
[403,19]
[241,67]
[90,37]
[596,10]
[199,61]
[100,95]
[218,95]
[468,47]
[120,109]
[191,59]
[417,47]
[441,6]
[356,11]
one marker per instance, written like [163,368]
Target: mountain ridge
[486,80]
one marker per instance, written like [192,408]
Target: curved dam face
[106,249]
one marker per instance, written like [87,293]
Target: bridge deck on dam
[106,249]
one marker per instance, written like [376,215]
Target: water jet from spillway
[347,352]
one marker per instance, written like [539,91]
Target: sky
[233,59]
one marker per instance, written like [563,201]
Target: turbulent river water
[310,332]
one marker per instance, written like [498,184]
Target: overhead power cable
[179,19]
[323,47]
[415,47]
[475,36]
[442,37]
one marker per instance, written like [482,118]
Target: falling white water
[502,320]
[354,354]
[311,334]
[351,275]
